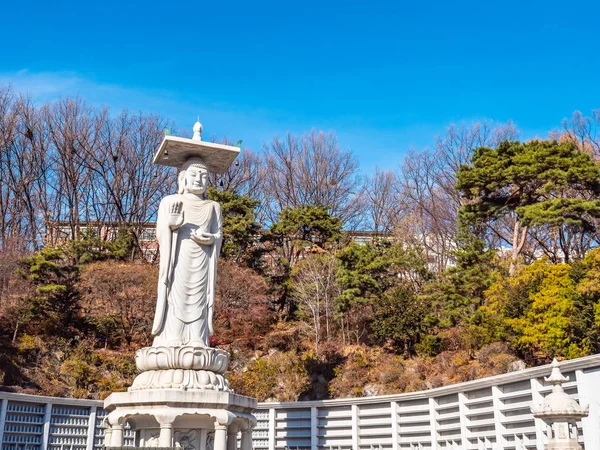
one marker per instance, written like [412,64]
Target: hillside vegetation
[482,258]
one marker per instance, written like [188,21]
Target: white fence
[491,413]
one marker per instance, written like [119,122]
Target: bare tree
[33,164]
[9,227]
[311,170]
[245,176]
[69,126]
[69,162]
[428,217]
[381,203]
[315,289]
[24,169]
[584,131]
[127,186]
[427,194]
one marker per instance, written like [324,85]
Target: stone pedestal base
[191,420]
[180,379]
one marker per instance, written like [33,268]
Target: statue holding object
[189,231]
[181,397]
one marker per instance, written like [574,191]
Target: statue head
[193,177]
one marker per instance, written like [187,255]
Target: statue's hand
[175,216]
[203,238]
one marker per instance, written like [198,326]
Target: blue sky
[386,76]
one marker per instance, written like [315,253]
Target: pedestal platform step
[173,417]
[180,379]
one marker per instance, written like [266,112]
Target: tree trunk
[14,339]
[518,242]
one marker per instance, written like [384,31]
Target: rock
[370,390]
[517,365]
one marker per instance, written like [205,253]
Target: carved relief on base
[149,438]
[183,357]
[187,440]
[180,379]
[210,440]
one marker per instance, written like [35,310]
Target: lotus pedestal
[182,399]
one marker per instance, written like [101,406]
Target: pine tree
[536,183]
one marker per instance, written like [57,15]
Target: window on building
[362,240]
[65,233]
[148,234]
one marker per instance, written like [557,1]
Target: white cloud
[254,125]
[44,86]
[218,120]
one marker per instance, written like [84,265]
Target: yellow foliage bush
[279,376]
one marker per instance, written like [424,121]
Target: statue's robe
[186,284]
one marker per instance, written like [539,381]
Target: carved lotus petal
[184,357]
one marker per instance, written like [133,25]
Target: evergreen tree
[359,276]
[457,296]
[536,183]
[300,230]
[240,227]
[54,272]
[461,289]
[398,319]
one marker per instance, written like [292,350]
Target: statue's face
[195,180]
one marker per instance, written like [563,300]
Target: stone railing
[491,413]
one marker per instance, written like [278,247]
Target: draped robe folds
[188,270]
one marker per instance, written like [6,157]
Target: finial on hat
[175,151]
[197,130]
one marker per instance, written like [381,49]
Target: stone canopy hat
[174,151]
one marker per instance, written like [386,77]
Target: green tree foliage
[366,271]
[386,280]
[240,226]
[359,276]
[88,249]
[54,307]
[398,319]
[299,231]
[586,319]
[304,227]
[537,183]
[456,296]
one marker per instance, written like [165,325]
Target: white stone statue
[181,391]
[189,233]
